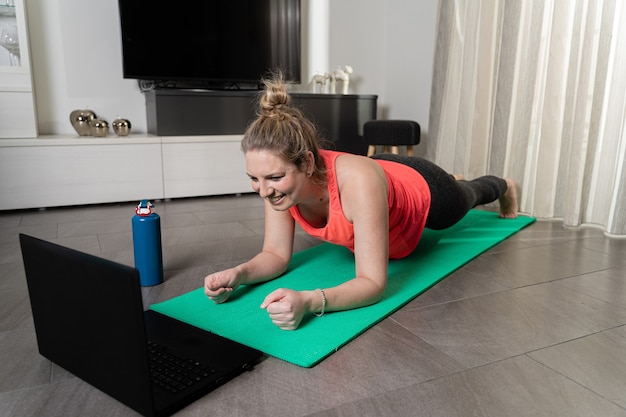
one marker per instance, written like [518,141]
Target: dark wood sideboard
[339,118]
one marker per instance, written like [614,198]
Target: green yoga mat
[439,254]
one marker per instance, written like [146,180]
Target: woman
[377,207]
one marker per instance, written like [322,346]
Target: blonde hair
[283,129]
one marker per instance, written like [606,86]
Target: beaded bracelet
[321,313]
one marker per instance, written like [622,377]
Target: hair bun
[275,98]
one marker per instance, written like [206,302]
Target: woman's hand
[219,285]
[286,308]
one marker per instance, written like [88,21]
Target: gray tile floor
[535,327]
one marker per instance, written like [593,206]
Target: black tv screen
[219,41]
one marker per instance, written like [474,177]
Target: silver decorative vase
[99,128]
[121,127]
[80,121]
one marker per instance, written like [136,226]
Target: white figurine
[320,79]
[341,74]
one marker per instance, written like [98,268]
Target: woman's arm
[271,262]
[277,248]
[363,189]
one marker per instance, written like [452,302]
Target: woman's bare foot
[508,202]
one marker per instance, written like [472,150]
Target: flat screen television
[212,42]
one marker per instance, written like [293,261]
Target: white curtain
[536,90]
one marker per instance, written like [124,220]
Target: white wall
[410,52]
[390,44]
[76,57]
[358,30]
[77,63]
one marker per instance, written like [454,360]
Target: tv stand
[339,118]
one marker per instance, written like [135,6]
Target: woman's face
[279,182]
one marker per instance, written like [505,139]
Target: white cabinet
[211,165]
[53,171]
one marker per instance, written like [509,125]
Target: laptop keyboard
[173,373]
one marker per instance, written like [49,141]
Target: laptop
[89,319]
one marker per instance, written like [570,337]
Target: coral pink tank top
[408,200]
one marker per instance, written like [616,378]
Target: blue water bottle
[147,244]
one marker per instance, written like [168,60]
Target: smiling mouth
[275,198]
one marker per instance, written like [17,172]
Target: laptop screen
[89,319]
